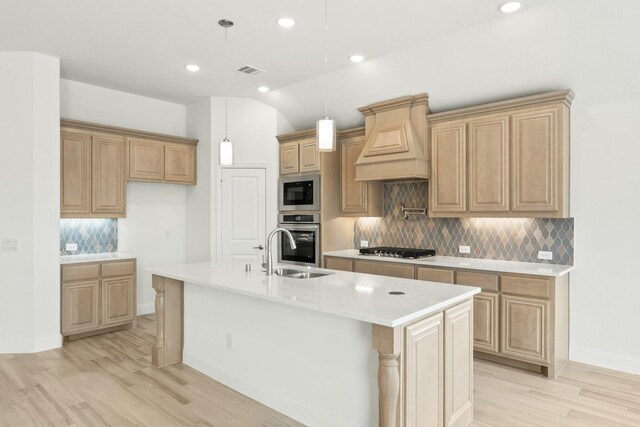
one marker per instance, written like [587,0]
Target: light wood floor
[108,380]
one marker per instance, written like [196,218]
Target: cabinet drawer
[73,273]
[384,269]
[114,269]
[525,285]
[338,264]
[486,281]
[434,275]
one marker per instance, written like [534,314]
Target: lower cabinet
[96,297]
[389,269]
[439,369]
[486,324]
[523,328]
[342,264]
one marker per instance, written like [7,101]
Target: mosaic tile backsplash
[93,236]
[512,239]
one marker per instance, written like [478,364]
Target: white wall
[30,191]
[155,226]
[585,45]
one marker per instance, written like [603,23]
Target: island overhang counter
[422,333]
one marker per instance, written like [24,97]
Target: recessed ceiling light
[263,89]
[510,7]
[192,67]
[286,22]
[356,58]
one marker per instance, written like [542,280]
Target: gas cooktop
[386,251]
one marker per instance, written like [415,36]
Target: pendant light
[326,127]
[226,147]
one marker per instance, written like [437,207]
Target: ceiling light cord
[226,83]
[326,57]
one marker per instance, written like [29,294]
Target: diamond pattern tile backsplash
[512,239]
[93,236]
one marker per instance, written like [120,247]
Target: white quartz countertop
[531,268]
[78,259]
[356,296]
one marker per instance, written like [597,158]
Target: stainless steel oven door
[307,237]
[299,193]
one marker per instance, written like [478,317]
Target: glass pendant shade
[226,152]
[326,134]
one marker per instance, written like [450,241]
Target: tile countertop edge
[477,264]
[418,314]
[102,257]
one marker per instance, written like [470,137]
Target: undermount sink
[298,274]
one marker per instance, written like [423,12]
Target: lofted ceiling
[141,46]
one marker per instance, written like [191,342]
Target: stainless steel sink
[298,274]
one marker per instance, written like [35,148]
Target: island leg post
[169,343]
[388,343]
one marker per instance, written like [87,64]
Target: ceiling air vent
[250,70]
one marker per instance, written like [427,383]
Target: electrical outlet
[464,249]
[9,245]
[71,247]
[545,255]
[229,341]
[364,243]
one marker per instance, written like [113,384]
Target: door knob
[259,247]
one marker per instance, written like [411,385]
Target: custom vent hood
[396,140]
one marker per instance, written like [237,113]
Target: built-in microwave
[299,193]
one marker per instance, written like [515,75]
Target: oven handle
[297,227]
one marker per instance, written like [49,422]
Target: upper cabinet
[505,159]
[358,198]
[299,153]
[96,161]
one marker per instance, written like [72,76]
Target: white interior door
[244,214]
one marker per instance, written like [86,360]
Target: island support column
[388,343]
[167,349]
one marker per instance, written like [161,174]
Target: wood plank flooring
[108,380]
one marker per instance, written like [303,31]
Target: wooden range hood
[396,140]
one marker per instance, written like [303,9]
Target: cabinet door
[309,156]
[341,264]
[434,274]
[75,173]
[145,160]
[447,188]
[389,269]
[489,164]
[458,365]
[424,365]
[354,193]
[486,322]
[118,301]
[180,163]
[523,328]
[107,176]
[535,160]
[289,158]
[80,308]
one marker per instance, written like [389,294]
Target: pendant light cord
[226,83]
[326,57]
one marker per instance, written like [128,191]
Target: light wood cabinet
[439,275]
[97,297]
[180,163]
[107,175]
[146,160]
[342,264]
[486,324]
[359,198]
[80,307]
[389,269]
[300,156]
[489,164]
[523,328]
[424,364]
[447,188]
[516,164]
[75,173]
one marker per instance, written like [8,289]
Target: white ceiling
[141,46]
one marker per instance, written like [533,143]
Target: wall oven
[305,229]
[299,193]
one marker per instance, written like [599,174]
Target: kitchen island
[304,346]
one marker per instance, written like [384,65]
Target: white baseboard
[273,400]
[146,308]
[31,346]
[605,360]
